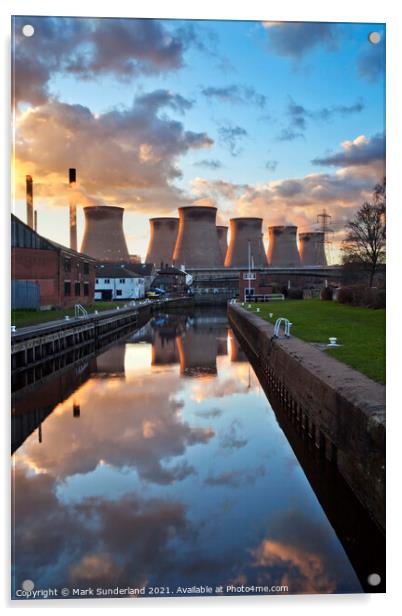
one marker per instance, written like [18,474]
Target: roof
[114,270]
[38,241]
[170,270]
[143,269]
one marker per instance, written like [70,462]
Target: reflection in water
[150,476]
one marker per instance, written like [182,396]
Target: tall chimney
[312,248]
[103,234]
[72,178]
[162,240]
[282,249]
[29,194]
[36,220]
[245,233]
[223,240]
[197,244]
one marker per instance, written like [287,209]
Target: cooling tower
[223,240]
[282,250]
[197,244]
[197,353]
[164,351]
[245,233]
[111,363]
[162,240]
[103,235]
[312,248]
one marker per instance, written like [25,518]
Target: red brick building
[254,283]
[65,277]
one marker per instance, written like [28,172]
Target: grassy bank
[22,318]
[361,331]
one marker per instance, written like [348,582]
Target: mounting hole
[374,38]
[28,585]
[28,30]
[374,579]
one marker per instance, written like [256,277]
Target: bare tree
[365,239]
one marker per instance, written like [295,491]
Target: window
[118,292]
[67,287]
[97,281]
[86,289]
[122,280]
[77,288]
[86,267]
[249,276]
[67,264]
[107,280]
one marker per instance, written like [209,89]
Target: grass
[361,331]
[22,318]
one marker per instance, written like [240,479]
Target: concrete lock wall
[343,409]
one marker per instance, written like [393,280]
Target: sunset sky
[260,119]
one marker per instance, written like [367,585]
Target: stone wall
[342,409]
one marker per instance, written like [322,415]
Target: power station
[311,248]
[103,234]
[282,248]
[192,240]
[246,247]
[197,244]
[162,240]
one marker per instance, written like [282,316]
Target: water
[161,463]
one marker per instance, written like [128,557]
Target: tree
[365,239]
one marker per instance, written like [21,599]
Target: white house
[114,282]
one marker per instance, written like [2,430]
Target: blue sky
[222,113]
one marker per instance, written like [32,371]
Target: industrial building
[282,248]
[246,246]
[104,238]
[45,274]
[312,248]
[114,282]
[197,244]
[163,236]
[170,279]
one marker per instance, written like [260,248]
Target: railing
[286,324]
[79,311]
[269,297]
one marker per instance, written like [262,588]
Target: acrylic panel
[198,308]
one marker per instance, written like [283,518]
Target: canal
[160,462]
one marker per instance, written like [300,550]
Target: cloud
[299,116]
[232,439]
[271,165]
[230,136]
[361,151]
[127,156]
[209,163]
[144,429]
[235,94]
[288,134]
[296,39]
[236,479]
[90,48]
[371,63]
[86,542]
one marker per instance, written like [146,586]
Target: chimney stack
[36,220]
[72,178]
[29,194]
[312,248]
[162,240]
[245,232]
[197,244]
[282,250]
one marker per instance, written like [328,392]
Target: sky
[268,119]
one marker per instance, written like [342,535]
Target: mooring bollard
[66,318]
[13,329]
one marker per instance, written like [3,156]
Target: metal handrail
[287,325]
[79,311]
